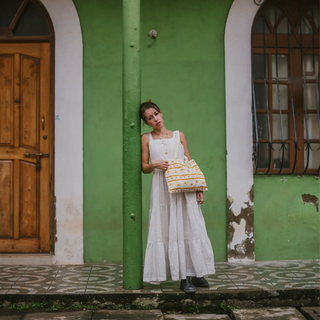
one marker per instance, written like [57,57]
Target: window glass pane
[262,119]
[260,95]
[305,26]
[276,126]
[263,160]
[32,22]
[315,12]
[271,12]
[308,65]
[277,156]
[313,127]
[282,66]
[314,156]
[283,26]
[8,9]
[258,63]
[310,95]
[258,27]
[283,90]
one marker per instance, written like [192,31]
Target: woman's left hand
[200,197]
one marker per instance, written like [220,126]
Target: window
[285,87]
[24,18]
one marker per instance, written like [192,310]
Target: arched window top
[278,15]
[285,87]
[24,18]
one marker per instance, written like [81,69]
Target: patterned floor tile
[149,287]
[22,290]
[57,279]
[293,285]
[170,286]
[4,289]
[100,289]
[258,285]
[66,289]
[314,284]
[9,279]
[14,269]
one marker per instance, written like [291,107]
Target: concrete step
[88,315]
[196,317]
[312,313]
[268,313]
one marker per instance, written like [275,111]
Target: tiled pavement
[104,279]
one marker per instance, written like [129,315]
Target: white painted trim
[26,259]
[238,109]
[68,131]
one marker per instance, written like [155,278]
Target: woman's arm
[183,140]
[147,167]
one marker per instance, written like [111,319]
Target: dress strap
[176,133]
[150,137]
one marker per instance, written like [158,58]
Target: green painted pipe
[132,205]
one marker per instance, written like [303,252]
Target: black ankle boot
[200,282]
[187,286]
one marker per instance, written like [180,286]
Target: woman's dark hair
[147,105]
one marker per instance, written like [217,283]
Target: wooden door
[24,128]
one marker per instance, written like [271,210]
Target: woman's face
[153,118]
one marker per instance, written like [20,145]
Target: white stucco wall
[238,110]
[68,131]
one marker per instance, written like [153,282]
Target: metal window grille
[285,87]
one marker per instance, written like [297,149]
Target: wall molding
[239,130]
[68,131]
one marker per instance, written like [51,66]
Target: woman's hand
[200,197]
[160,164]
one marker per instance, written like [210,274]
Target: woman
[178,246]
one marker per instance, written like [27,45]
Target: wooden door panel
[6,196]
[29,96]
[8,153]
[24,186]
[19,246]
[29,213]
[6,99]
[31,50]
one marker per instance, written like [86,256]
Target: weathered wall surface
[287,217]
[183,72]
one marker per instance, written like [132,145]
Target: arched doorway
[26,127]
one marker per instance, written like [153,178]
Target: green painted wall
[183,72]
[285,227]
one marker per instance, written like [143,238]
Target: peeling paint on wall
[310,199]
[241,231]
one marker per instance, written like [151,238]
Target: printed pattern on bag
[185,176]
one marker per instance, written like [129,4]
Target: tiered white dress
[178,244]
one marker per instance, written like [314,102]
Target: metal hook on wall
[152,34]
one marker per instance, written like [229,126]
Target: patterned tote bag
[184,175]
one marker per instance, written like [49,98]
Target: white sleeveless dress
[178,244]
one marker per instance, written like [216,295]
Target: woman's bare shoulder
[145,137]
[182,136]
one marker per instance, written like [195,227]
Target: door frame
[67,144]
